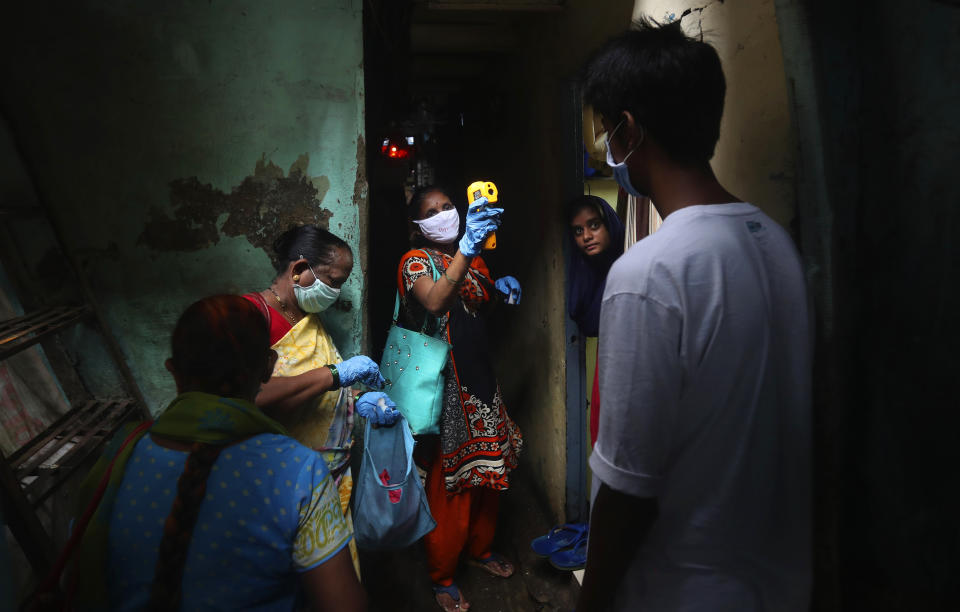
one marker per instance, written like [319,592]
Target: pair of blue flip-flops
[565,546]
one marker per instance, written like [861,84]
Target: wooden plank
[22,283]
[10,325]
[20,333]
[18,139]
[42,446]
[76,456]
[80,430]
[23,522]
[85,420]
[23,323]
[101,418]
[57,317]
[49,480]
[23,453]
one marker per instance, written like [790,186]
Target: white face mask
[317,297]
[442,227]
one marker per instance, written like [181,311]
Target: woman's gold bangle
[450,280]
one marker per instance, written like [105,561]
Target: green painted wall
[175,141]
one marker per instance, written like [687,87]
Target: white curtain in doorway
[632,222]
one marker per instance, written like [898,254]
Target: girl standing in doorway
[597,236]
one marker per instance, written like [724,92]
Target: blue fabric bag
[413,364]
[393,515]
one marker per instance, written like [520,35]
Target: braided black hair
[166,592]
[220,346]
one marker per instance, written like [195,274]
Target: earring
[296,277]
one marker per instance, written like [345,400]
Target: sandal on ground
[456,602]
[563,536]
[571,558]
[495,565]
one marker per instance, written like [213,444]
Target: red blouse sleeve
[413,265]
[476,289]
[279,326]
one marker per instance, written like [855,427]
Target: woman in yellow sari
[309,392]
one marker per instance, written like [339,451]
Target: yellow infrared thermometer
[484,189]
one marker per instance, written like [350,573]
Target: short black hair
[315,244]
[672,84]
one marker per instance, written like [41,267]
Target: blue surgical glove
[511,287]
[377,407]
[482,220]
[360,369]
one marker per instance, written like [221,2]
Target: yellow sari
[323,423]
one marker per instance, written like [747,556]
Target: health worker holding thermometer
[469,462]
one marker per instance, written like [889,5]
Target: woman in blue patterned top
[216,507]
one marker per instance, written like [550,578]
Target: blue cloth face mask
[317,297]
[621,173]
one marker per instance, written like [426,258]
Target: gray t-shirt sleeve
[641,375]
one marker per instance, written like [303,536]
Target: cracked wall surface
[260,208]
[175,141]
[755,155]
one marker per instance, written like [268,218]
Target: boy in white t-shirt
[705,347]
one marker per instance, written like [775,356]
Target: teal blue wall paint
[175,141]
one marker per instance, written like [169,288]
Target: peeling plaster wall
[176,140]
[755,155]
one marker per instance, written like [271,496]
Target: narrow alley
[730,223]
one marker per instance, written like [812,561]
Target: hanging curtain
[639,217]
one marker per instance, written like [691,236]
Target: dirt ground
[398,581]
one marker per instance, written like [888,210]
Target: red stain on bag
[394,494]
